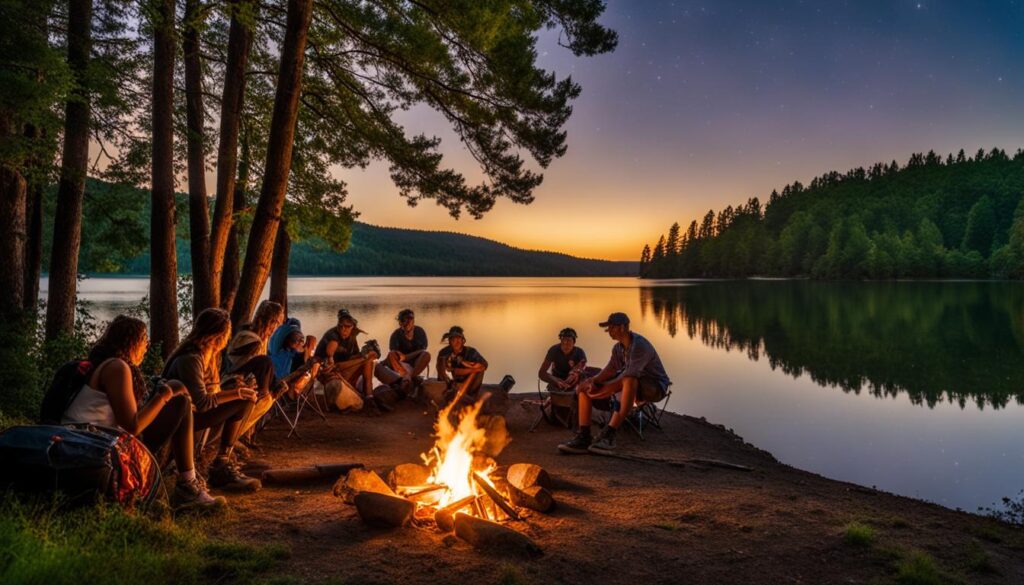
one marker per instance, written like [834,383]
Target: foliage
[859,534]
[919,568]
[928,219]
[1011,512]
[43,544]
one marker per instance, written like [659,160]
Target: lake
[913,387]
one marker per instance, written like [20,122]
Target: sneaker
[605,442]
[578,445]
[192,494]
[225,474]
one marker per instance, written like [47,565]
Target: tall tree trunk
[33,246]
[12,245]
[279,160]
[232,265]
[279,266]
[163,278]
[239,45]
[67,219]
[198,206]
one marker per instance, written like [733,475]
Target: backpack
[86,463]
[68,381]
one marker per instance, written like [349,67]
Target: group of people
[634,374]
[215,384]
[219,385]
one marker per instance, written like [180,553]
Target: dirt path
[620,521]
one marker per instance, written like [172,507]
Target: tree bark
[33,246]
[239,45]
[279,159]
[279,266]
[230,275]
[67,219]
[163,278]
[12,245]
[198,205]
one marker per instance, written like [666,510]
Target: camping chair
[642,415]
[557,407]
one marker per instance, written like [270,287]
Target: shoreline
[777,523]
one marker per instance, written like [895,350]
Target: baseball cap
[615,319]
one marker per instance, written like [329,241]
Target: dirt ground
[617,521]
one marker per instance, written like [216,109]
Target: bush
[918,568]
[859,534]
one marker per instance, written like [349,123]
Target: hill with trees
[115,239]
[958,217]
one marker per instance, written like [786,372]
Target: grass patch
[40,544]
[900,523]
[979,561]
[919,568]
[669,526]
[859,534]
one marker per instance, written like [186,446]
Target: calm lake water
[916,388]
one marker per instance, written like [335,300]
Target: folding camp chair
[557,407]
[642,415]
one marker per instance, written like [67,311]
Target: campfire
[458,486]
[460,477]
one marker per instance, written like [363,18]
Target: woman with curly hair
[113,397]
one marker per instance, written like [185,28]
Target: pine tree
[672,243]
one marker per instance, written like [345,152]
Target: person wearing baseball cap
[634,370]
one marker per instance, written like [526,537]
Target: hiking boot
[605,442]
[578,445]
[193,495]
[225,474]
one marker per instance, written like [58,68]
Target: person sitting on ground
[564,363]
[195,363]
[634,370]
[290,350]
[342,359]
[247,354]
[408,348]
[460,366]
[113,396]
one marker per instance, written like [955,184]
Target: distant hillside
[395,251]
[961,217]
[115,239]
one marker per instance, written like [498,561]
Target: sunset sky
[706,104]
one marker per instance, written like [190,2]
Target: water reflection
[958,342]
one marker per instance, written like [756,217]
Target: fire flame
[451,459]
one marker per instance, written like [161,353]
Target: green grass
[669,526]
[979,561]
[39,544]
[859,534]
[919,568]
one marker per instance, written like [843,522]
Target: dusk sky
[705,104]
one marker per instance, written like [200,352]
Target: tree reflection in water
[960,342]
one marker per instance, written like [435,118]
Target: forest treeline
[115,239]
[961,216]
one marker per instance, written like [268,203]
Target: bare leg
[629,386]
[585,406]
[394,363]
[420,363]
[368,377]
[181,441]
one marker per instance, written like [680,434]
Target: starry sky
[704,104]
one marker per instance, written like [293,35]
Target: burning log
[416,491]
[384,510]
[305,475]
[358,481]
[496,497]
[445,517]
[491,536]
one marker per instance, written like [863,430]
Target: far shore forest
[961,216]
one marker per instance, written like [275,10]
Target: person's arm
[544,374]
[307,351]
[116,382]
[332,346]
[191,372]
[442,373]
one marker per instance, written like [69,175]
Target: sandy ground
[616,521]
